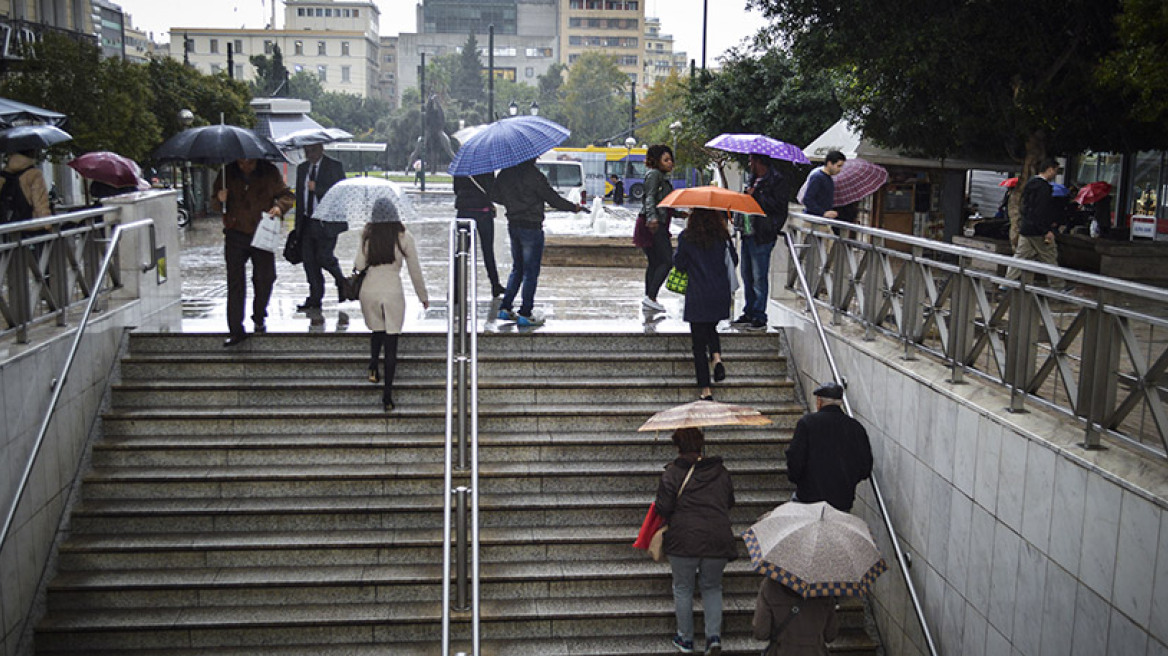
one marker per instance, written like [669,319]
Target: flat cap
[830,390]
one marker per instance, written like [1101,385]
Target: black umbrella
[217,144]
[31,137]
[13,112]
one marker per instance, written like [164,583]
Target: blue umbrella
[1059,191]
[507,142]
[758,144]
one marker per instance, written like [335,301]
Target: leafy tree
[984,79]
[595,99]
[271,76]
[1138,69]
[349,112]
[107,102]
[305,86]
[551,93]
[467,84]
[176,87]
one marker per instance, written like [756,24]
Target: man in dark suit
[830,453]
[314,177]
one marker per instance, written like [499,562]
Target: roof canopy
[852,144]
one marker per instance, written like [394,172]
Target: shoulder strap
[691,471]
[783,625]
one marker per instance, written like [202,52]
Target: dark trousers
[389,341]
[316,247]
[660,256]
[237,251]
[704,337]
[485,224]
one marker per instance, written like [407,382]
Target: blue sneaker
[506,315]
[529,322]
[684,646]
[713,646]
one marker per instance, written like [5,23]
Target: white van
[566,177]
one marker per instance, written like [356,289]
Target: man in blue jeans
[522,190]
[759,234]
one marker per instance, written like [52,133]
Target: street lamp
[534,108]
[513,108]
[185,118]
[629,143]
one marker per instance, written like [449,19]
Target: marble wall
[27,373]
[1021,542]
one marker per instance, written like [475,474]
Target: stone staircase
[258,501]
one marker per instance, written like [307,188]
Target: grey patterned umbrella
[351,200]
[815,550]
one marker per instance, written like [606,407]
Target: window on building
[298,48]
[239,46]
[347,13]
[344,48]
[529,71]
[575,4]
[214,47]
[268,47]
[388,59]
[239,71]
[328,13]
[346,74]
[320,12]
[322,73]
[356,13]
[300,11]
[321,49]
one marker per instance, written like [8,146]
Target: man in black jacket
[830,453]
[759,234]
[472,200]
[522,190]
[318,239]
[1039,222]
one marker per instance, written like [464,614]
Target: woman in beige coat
[385,246]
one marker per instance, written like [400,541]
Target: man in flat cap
[830,453]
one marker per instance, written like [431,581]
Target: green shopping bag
[677,281]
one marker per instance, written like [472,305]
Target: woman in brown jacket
[792,625]
[695,496]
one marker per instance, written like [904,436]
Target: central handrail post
[460,303]
[835,373]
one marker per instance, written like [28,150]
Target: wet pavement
[572,299]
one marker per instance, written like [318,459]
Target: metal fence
[1092,347]
[50,265]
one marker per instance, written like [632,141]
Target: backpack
[13,205]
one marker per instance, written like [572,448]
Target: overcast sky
[729,22]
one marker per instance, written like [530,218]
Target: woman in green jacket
[658,165]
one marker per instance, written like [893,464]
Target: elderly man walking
[830,453]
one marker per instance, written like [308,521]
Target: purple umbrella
[857,179]
[758,144]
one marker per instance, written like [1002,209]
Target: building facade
[109,25]
[612,26]
[25,21]
[660,59]
[336,41]
[526,37]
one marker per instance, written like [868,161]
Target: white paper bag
[269,234]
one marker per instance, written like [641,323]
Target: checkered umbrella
[815,550]
[857,179]
[507,142]
[758,144]
[351,201]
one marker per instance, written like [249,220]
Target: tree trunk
[1035,152]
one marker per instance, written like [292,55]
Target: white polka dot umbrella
[352,201]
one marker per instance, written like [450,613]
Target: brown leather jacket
[249,197]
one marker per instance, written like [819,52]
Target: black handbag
[292,248]
[353,285]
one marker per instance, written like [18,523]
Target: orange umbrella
[713,198]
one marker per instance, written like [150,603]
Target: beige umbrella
[815,550]
[704,413]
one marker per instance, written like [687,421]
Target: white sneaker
[652,305]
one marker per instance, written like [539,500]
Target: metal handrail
[835,373]
[59,384]
[947,302]
[461,385]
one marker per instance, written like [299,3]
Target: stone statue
[436,140]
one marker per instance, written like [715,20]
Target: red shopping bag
[653,521]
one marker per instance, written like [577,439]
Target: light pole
[185,118]
[629,143]
[674,129]
[534,108]
[513,108]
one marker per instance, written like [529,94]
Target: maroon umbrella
[109,168]
[857,179]
[1093,193]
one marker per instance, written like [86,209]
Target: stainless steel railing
[1097,352]
[48,266]
[804,287]
[59,383]
[462,411]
